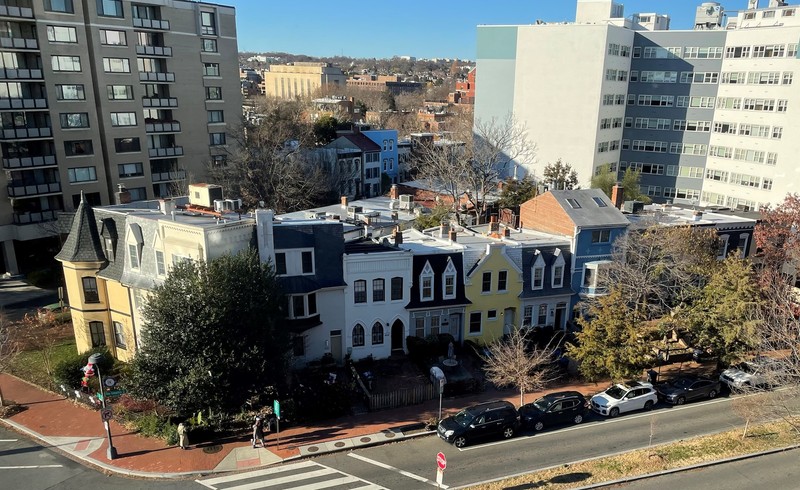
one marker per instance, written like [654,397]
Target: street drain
[212,449]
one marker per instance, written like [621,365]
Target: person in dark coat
[258,431]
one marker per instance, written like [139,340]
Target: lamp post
[111,453]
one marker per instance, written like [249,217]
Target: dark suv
[478,422]
[554,409]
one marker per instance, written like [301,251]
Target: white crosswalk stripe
[305,475]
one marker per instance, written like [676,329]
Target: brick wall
[543,213]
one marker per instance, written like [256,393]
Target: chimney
[506,231]
[494,227]
[123,195]
[394,193]
[697,215]
[453,235]
[444,230]
[617,195]
[344,201]
[167,206]
[398,236]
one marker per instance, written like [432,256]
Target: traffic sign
[441,461]
[276,407]
[106,414]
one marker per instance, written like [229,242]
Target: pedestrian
[258,431]
[183,436]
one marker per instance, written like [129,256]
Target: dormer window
[558,270]
[426,283]
[135,245]
[449,281]
[537,272]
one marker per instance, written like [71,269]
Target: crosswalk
[306,475]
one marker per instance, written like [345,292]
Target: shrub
[68,372]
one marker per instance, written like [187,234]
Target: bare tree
[514,361]
[8,348]
[39,331]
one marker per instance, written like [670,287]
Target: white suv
[625,397]
[747,374]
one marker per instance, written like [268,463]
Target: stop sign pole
[441,464]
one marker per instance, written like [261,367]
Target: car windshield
[681,383]
[543,403]
[464,417]
[616,392]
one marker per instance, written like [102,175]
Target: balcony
[160,102]
[18,43]
[29,162]
[161,25]
[18,12]
[153,50]
[168,176]
[25,133]
[154,76]
[30,103]
[33,190]
[175,151]
[163,127]
[35,217]
[21,74]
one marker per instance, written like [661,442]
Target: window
[138,193]
[127,145]
[358,336]
[113,38]
[216,139]
[160,269]
[434,328]
[419,327]
[66,63]
[130,170]
[63,6]
[123,119]
[541,318]
[208,24]
[109,8]
[219,160]
[210,69]
[538,275]
[97,333]
[475,322]
[90,293]
[502,281]
[397,288]
[70,92]
[116,65]
[558,276]
[133,255]
[491,315]
[360,291]
[280,263]
[119,92]
[213,93]
[486,285]
[377,333]
[307,259]
[73,120]
[61,34]
[600,236]
[208,45]
[119,335]
[78,148]
[216,116]
[426,283]
[378,290]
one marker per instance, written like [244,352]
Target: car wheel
[578,419]
[614,412]
[538,426]
[712,394]
[508,433]
[649,405]
[680,401]
[460,441]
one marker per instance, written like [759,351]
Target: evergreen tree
[605,179]
[560,176]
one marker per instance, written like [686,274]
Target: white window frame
[450,272]
[426,276]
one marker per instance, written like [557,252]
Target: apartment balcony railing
[18,43]
[154,76]
[29,162]
[25,133]
[163,127]
[29,103]
[168,176]
[175,151]
[21,73]
[35,217]
[153,50]
[160,102]
[161,25]
[33,190]
[19,12]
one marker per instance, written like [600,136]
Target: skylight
[600,202]
[573,203]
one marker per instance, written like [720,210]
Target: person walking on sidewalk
[183,436]
[258,431]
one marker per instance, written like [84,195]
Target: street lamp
[94,359]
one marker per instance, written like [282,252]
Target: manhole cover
[365,439]
[388,435]
[212,449]
[313,449]
[339,444]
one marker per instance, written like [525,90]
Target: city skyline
[447,29]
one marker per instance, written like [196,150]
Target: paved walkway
[78,431]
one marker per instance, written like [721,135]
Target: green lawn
[28,365]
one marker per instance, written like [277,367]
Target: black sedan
[554,409]
[687,388]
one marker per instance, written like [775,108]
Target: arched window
[377,333]
[358,335]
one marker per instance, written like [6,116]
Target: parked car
[625,397]
[553,409]
[747,374]
[481,421]
[687,388]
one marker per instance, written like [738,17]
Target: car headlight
[449,433]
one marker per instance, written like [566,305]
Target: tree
[609,343]
[325,130]
[515,361]
[560,176]
[435,218]
[39,333]
[517,191]
[605,179]
[8,349]
[213,336]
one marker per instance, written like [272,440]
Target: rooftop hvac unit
[406,201]
[219,205]
[227,205]
[315,214]
[632,207]
[394,205]
[353,210]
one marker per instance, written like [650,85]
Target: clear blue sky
[421,28]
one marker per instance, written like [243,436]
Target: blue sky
[421,28]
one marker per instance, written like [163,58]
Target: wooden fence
[402,397]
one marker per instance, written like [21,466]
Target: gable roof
[438,262]
[587,213]
[83,242]
[362,142]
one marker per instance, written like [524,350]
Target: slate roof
[362,142]
[83,243]
[326,240]
[112,226]
[590,214]
[549,256]
[366,246]
[438,264]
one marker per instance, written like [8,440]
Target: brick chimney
[617,195]
[398,236]
[344,201]
[453,235]
[444,230]
[494,226]
[123,196]
[506,231]
[394,193]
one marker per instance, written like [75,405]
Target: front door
[397,335]
[455,326]
[508,320]
[336,346]
[561,311]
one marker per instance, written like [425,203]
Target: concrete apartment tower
[98,94]
[705,114]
